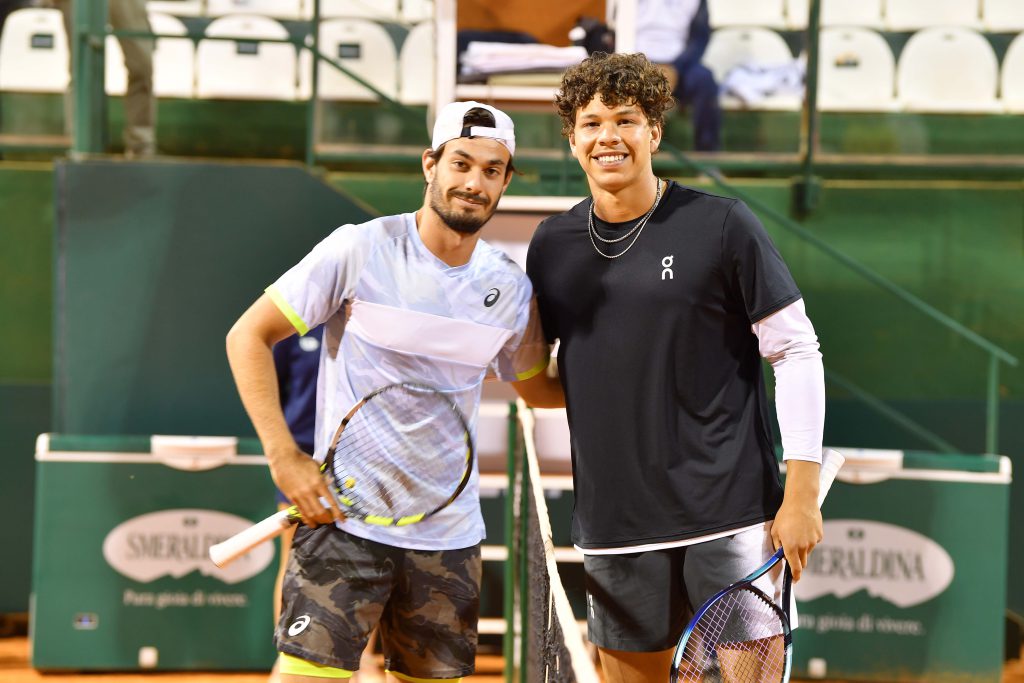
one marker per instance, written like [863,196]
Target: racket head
[739,635]
[402,454]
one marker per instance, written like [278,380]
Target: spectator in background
[297,361]
[674,34]
[139,102]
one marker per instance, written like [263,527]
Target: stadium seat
[382,10]
[770,13]
[761,47]
[856,71]
[415,11]
[362,47]
[34,52]
[416,65]
[1002,15]
[948,70]
[910,15]
[797,12]
[1013,77]
[278,9]
[177,8]
[173,61]
[175,58]
[864,13]
[243,69]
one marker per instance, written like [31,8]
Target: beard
[465,223]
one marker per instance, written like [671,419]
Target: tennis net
[550,646]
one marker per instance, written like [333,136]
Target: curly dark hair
[618,79]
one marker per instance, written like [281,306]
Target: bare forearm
[252,365]
[802,483]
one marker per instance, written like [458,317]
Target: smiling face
[466,181]
[614,144]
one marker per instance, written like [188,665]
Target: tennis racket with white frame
[741,634]
[402,454]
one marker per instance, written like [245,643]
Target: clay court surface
[15,668]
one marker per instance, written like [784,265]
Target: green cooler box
[909,583]
[121,576]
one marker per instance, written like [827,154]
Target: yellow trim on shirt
[289,664]
[535,370]
[294,318]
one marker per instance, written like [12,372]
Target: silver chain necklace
[637,229]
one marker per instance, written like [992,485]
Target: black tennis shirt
[666,401]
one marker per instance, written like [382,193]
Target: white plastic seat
[797,12]
[856,71]
[416,65]
[173,61]
[361,46]
[909,15]
[1002,15]
[863,13]
[177,8]
[244,70]
[415,11]
[382,10]
[34,52]
[770,13]
[948,70]
[1012,87]
[761,47]
[278,9]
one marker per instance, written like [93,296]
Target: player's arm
[787,341]
[541,391]
[249,347]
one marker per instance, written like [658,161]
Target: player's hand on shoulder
[298,476]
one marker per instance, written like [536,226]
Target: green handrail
[88,21]
[807,189]
[996,353]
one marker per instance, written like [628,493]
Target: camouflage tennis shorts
[337,587]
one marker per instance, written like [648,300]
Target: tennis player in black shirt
[664,300]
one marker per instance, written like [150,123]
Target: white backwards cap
[450,125]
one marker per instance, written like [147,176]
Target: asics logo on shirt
[666,267]
[492,297]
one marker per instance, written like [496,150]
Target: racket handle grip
[231,549]
[831,461]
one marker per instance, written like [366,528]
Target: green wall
[26,292]
[155,262]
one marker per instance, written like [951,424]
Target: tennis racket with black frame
[741,634]
[402,454]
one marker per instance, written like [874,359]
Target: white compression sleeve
[786,339]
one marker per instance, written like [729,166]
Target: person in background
[139,132]
[674,35]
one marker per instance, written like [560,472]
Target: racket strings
[739,639]
[402,453]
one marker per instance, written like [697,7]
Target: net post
[508,642]
[524,564]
